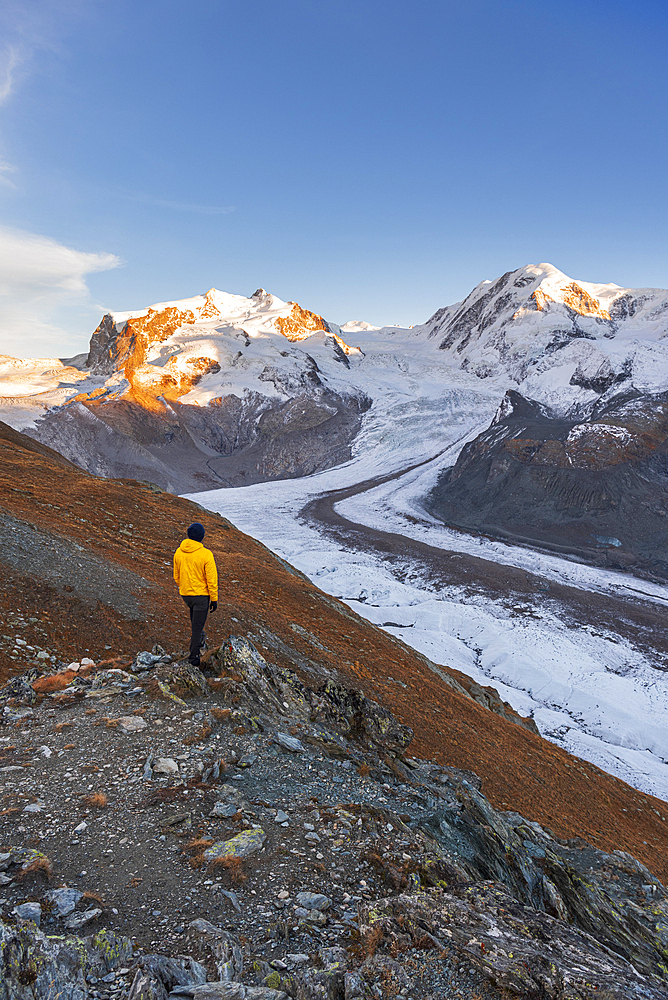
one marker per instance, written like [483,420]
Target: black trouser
[199,609]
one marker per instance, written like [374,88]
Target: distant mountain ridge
[173,395]
[226,390]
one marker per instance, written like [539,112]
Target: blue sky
[369,160]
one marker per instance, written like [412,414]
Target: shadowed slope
[90,561]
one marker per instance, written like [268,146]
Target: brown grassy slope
[133,530]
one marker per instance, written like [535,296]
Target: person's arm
[177,568]
[211,574]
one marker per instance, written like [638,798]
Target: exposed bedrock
[184,448]
[595,488]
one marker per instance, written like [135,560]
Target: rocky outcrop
[116,345]
[36,967]
[594,486]
[521,949]
[346,711]
[185,448]
[445,872]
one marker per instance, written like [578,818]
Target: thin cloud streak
[178,206]
[10,61]
[6,168]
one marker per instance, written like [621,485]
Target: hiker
[197,579]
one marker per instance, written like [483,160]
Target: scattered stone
[281,817]
[148,768]
[35,807]
[224,810]
[29,911]
[78,920]
[290,743]
[145,660]
[165,765]
[131,724]
[233,898]
[245,843]
[64,900]
[313,900]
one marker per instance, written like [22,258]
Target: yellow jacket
[195,569]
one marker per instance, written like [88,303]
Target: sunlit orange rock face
[128,350]
[209,310]
[301,323]
[151,385]
[541,299]
[576,298]
[582,302]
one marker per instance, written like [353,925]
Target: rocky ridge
[593,488]
[239,833]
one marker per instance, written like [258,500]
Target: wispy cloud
[6,168]
[40,279]
[9,60]
[177,206]
[28,27]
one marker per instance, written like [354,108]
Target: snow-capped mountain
[222,389]
[202,391]
[562,341]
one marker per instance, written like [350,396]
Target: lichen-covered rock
[519,948]
[236,991]
[33,966]
[181,679]
[612,897]
[240,846]
[19,689]
[316,984]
